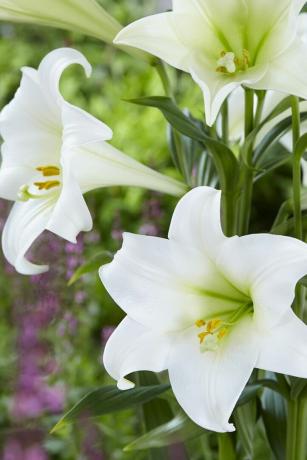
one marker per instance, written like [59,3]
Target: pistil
[229,63]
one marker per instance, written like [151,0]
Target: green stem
[297,409]
[225,122]
[229,217]
[298,224]
[247,168]
[181,158]
[301,428]
[162,72]
[292,430]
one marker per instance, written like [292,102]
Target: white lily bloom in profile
[84,16]
[53,153]
[225,44]
[207,308]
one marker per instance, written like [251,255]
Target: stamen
[200,323]
[48,171]
[47,185]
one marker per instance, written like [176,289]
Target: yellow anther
[213,324]
[202,336]
[47,185]
[200,323]
[48,171]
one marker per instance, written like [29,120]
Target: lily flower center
[51,173]
[228,63]
[213,331]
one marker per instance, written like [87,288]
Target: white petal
[132,347]
[84,16]
[52,67]
[24,224]
[155,35]
[284,347]
[31,132]
[208,384]
[31,124]
[196,221]
[12,178]
[96,163]
[172,37]
[165,285]
[80,127]
[182,6]
[216,86]
[71,214]
[287,72]
[267,267]
[302,26]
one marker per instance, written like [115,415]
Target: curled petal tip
[125,384]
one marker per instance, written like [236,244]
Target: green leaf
[109,399]
[179,429]
[173,115]
[274,414]
[277,155]
[226,447]
[261,446]
[274,135]
[297,385]
[155,412]
[223,157]
[92,265]
[245,421]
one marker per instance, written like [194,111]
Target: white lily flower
[53,153]
[207,308]
[227,44]
[84,16]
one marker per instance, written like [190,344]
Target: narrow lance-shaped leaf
[109,399]
[179,429]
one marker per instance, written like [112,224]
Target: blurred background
[52,335]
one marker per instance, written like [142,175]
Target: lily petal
[95,163]
[12,178]
[196,221]
[207,385]
[287,72]
[24,224]
[173,37]
[52,67]
[31,136]
[155,35]
[159,283]
[216,87]
[284,348]
[71,214]
[31,124]
[267,267]
[84,16]
[132,347]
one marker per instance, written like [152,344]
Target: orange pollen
[47,185]
[222,333]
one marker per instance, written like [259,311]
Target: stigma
[228,63]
